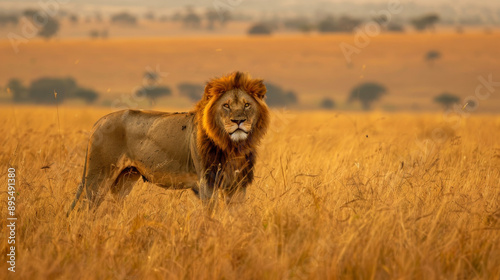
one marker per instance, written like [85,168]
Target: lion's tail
[79,190]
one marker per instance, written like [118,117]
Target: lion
[209,149]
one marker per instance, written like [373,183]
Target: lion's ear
[207,94]
[260,89]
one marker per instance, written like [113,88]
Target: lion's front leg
[208,193]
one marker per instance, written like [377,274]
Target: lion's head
[232,112]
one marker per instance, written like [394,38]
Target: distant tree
[73,18]
[425,22]
[446,100]
[151,77]
[30,13]
[260,29]
[277,97]
[86,94]
[18,90]
[192,91]
[327,24]
[42,90]
[49,29]
[211,16]
[395,27]
[94,34]
[432,56]
[347,24]
[6,19]
[156,92]
[191,18]
[124,18]
[149,16]
[177,16]
[367,93]
[327,103]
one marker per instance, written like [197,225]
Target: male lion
[208,149]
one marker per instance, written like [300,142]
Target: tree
[395,27]
[192,91]
[432,56]
[86,94]
[6,19]
[260,29]
[154,93]
[425,22]
[446,100]
[42,90]
[18,90]
[277,97]
[347,24]
[124,18]
[149,16]
[211,16]
[327,24]
[49,29]
[367,93]
[152,77]
[191,19]
[73,18]
[327,103]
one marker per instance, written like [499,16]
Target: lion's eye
[247,105]
[226,105]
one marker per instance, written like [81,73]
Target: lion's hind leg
[125,182]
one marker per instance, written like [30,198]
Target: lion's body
[178,150]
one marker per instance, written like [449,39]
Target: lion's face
[236,112]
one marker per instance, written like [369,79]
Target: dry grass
[364,196]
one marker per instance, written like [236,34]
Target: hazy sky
[267,2]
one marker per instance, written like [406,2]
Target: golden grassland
[336,196]
[312,65]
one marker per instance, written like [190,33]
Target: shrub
[327,103]
[260,29]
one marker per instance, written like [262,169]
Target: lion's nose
[238,122]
